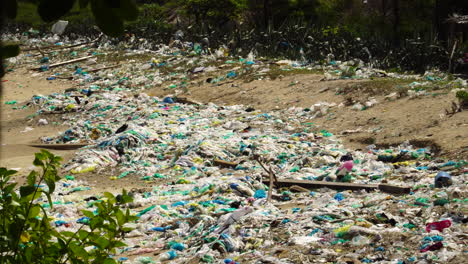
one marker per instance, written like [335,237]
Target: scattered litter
[309,200]
[59,27]
[27,129]
[42,122]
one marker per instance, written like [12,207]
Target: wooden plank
[58,47]
[394,189]
[270,187]
[296,188]
[64,63]
[59,146]
[324,184]
[224,164]
[341,186]
[269,170]
[69,61]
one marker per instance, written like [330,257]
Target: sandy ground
[14,151]
[421,121]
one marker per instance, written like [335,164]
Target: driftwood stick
[342,186]
[56,47]
[269,171]
[270,187]
[59,146]
[69,61]
[65,62]
[40,51]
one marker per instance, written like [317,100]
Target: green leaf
[62,243]
[79,251]
[88,213]
[109,195]
[9,51]
[50,183]
[4,172]
[37,194]
[37,162]
[49,199]
[107,21]
[120,218]
[40,155]
[9,188]
[82,234]
[67,233]
[45,219]
[32,178]
[95,222]
[127,229]
[100,208]
[56,160]
[111,226]
[51,10]
[109,261]
[47,154]
[28,253]
[102,243]
[11,8]
[26,190]
[34,211]
[119,243]
[126,198]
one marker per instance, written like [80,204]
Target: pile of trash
[230,184]
[209,202]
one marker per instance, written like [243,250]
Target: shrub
[26,234]
[463,99]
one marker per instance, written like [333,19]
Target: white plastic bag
[59,27]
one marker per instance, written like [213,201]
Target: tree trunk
[266,13]
[441,13]
[396,23]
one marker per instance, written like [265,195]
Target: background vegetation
[406,35]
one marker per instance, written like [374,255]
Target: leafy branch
[26,234]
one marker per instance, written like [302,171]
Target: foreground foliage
[26,232]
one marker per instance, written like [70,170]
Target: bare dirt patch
[387,123]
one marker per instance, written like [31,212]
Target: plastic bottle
[169,255]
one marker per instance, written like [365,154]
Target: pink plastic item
[348,165]
[439,226]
